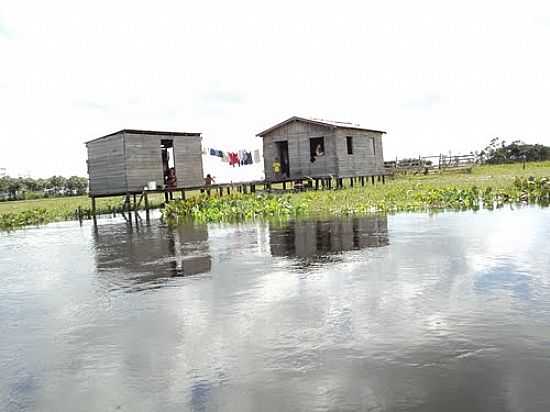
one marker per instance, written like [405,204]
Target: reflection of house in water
[150,254]
[320,241]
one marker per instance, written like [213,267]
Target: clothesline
[234,158]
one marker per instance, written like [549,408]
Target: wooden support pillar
[372,179]
[252,188]
[362,180]
[220,190]
[351,181]
[228,190]
[135,203]
[182,194]
[146,200]
[93,206]
[316,184]
[383,179]
[284,185]
[378,178]
[128,207]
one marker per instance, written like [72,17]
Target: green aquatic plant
[392,198]
[33,217]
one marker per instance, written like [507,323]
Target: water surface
[448,312]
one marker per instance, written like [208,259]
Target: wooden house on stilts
[318,149]
[128,161]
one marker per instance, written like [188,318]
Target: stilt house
[126,161]
[321,148]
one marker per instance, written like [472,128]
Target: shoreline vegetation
[486,186]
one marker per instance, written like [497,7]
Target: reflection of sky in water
[503,277]
[410,312]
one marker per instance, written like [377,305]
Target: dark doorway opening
[282,153]
[168,164]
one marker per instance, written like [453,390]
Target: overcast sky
[436,75]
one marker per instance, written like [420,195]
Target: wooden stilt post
[146,200]
[372,179]
[383,179]
[182,194]
[253,188]
[316,184]
[362,180]
[228,190]
[94,211]
[284,185]
[351,181]
[128,207]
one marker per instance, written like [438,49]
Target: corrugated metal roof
[153,132]
[322,122]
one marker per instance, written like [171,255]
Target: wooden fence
[427,164]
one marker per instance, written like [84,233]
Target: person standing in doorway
[276,166]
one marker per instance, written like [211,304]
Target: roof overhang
[332,125]
[149,132]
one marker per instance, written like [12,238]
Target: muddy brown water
[410,312]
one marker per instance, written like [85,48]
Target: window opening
[349,144]
[316,148]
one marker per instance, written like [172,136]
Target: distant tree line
[12,188]
[499,151]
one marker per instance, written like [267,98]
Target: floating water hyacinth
[392,198]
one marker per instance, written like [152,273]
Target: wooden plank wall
[189,169]
[106,165]
[143,160]
[364,161]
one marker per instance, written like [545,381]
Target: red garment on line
[233,159]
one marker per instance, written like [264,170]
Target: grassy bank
[14,214]
[488,185]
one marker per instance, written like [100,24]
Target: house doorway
[168,164]
[282,154]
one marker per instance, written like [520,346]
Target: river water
[410,312]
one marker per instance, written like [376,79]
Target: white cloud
[435,76]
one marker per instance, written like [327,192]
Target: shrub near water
[10,221]
[396,197]
[231,208]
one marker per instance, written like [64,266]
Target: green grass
[495,184]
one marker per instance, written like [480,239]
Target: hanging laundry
[247,158]
[256,156]
[215,152]
[233,159]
